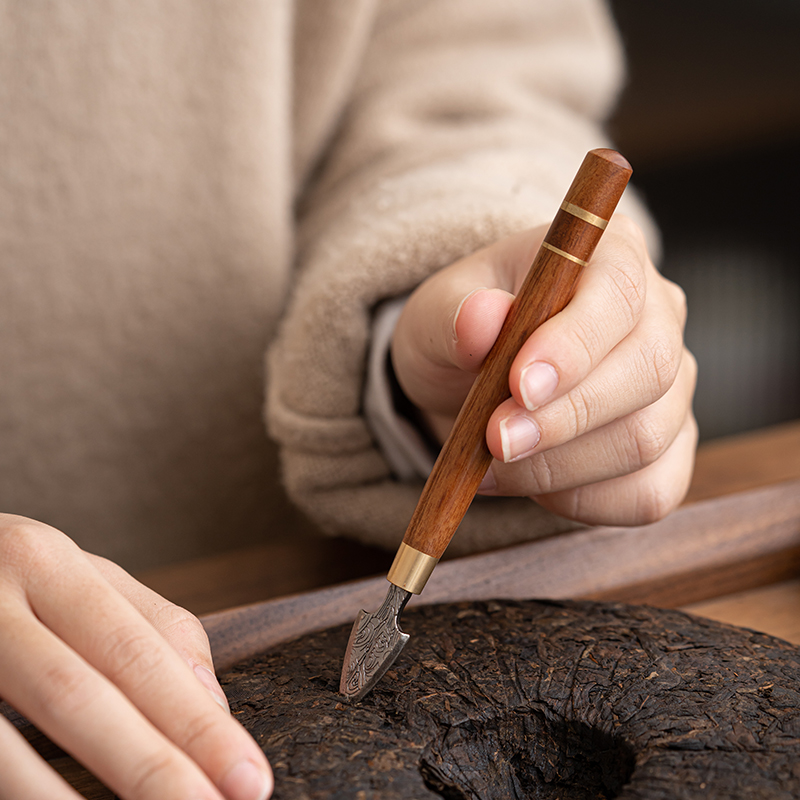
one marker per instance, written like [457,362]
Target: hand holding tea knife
[617,429]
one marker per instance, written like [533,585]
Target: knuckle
[25,545]
[152,774]
[130,657]
[21,542]
[658,360]
[679,300]
[197,728]
[654,502]
[587,338]
[66,689]
[665,356]
[650,438]
[574,503]
[541,478]
[579,404]
[173,621]
[628,287]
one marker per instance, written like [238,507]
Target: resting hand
[599,427]
[116,675]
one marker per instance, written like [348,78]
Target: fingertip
[457,317]
[476,324]
[519,436]
[248,781]
[537,384]
[499,431]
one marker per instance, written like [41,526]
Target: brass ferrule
[411,569]
[586,216]
[564,254]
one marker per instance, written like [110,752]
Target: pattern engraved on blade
[375,642]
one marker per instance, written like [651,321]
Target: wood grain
[548,287]
[774,609]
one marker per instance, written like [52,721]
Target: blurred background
[710,120]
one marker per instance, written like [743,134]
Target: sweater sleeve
[465,123]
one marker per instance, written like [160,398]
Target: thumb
[452,320]
[442,337]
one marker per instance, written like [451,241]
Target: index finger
[608,302]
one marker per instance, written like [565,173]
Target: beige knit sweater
[182,183]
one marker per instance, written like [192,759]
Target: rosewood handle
[548,287]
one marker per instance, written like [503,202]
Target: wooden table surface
[739,464]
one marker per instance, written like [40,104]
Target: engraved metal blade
[375,642]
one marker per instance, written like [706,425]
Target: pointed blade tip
[365,681]
[374,644]
[372,648]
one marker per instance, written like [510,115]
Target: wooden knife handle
[548,287]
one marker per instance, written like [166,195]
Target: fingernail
[246,781]
[209,680]
[538,381]
[519,435]
[461,305]
[488,484]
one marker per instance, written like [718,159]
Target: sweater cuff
[404,446]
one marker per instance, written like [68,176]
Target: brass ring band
[586,216]
[564,254]
[411,569]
